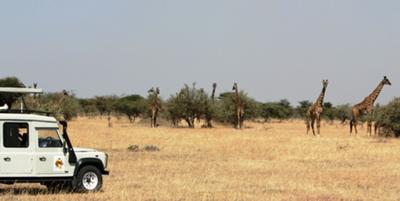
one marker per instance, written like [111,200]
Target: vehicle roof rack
[21,90]
[27,112]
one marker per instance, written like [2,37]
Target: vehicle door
[16,156]
[50,158]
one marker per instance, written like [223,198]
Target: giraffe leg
[312,125]
[369,128]
[237,120]
[152,120]
[355,127]
[318,125]
[241,120]
[308,125]
[351,126]
[155,120]
[376,129]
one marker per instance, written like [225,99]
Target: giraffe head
[325,83]
[150,90]
[386,81]
[235,87]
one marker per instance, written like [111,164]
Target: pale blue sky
[273,49]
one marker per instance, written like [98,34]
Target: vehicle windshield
[49,137]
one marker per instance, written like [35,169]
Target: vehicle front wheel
[89,179]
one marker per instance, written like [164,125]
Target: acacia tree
[88,106]
[188,104]
[302,108]
[132,106]
[277,110]
[104,104]
[387,118]
[342,112]
[329,112]
[226,107]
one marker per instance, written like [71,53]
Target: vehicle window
[48,137]
[15,135]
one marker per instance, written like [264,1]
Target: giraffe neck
[320,100]
[370,100]
[237,96]
[213,94]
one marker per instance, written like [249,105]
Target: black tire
[88,179]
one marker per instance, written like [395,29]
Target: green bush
[62,105]
[188,105]
[89,106]
[277,110]
[388,118]
[329,112]
[105,104]
[342,112]
[132,106]
[301,110]
[226,108]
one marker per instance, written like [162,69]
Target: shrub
[61,104]
[342,112]
[132,106]
[301,110]
[105,104]
[388,118]
[277,110]
[329,111]
[188,105]
[226,108]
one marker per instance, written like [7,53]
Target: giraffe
[209,114]
[239,107]
[314,111]
[154,105]
[366,106]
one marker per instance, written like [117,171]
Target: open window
[16,135]
[48,138]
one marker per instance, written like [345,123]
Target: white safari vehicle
[33,149]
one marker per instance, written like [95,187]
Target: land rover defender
[34,149]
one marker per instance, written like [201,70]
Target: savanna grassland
[271,161]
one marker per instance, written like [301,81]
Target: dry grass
[274,161]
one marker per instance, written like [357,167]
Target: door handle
[7,159]
[42,158]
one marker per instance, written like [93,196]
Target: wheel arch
[92,162]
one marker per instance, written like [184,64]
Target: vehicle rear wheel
[89,179]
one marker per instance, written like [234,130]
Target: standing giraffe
[239,107]
[314,111]
[209,113]
[154,105]
[366,106]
